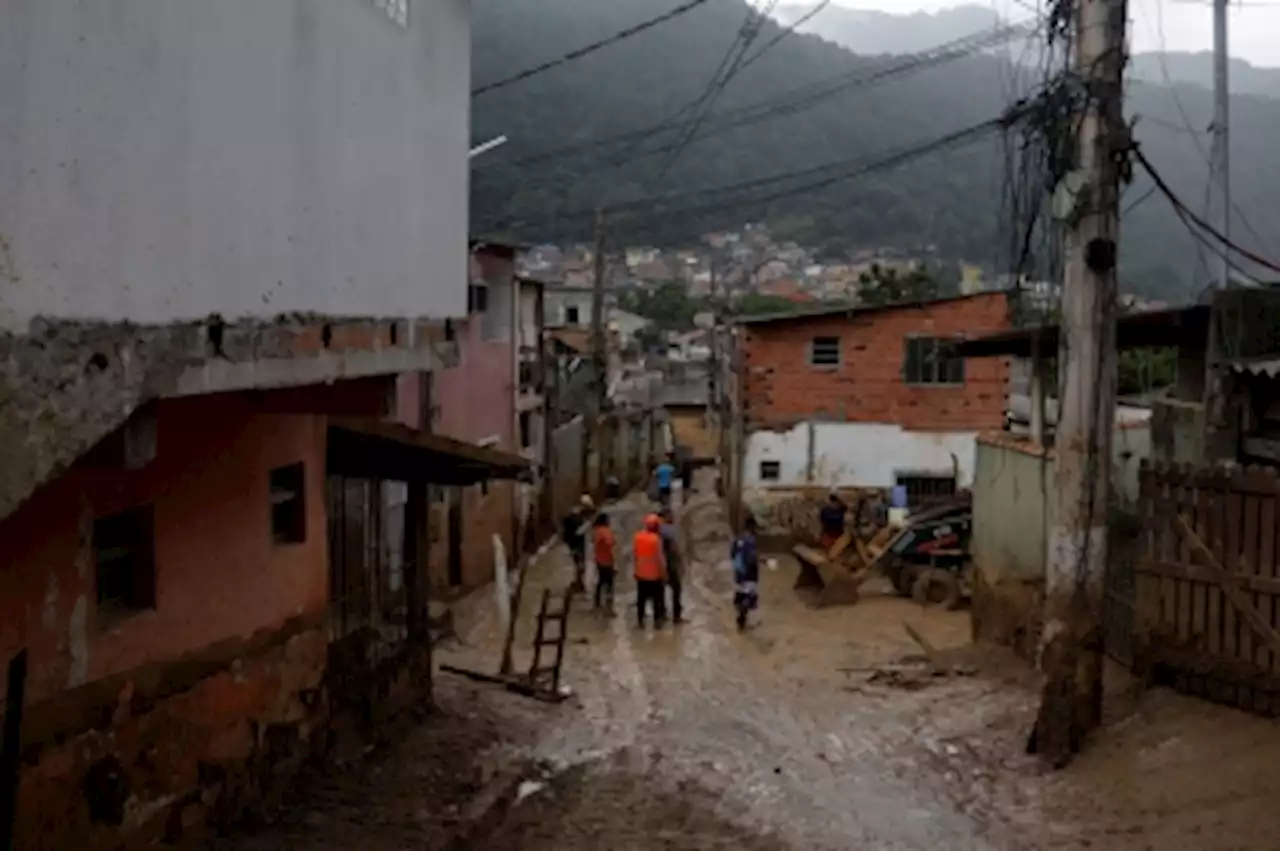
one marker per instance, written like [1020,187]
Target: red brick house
[867,397]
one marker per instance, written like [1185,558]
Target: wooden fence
[1207,589]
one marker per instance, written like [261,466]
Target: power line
[795,100]
[1199,221]
[795,25]
[747,35]
[589,49]
[863,168]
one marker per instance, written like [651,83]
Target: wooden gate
[1208,582]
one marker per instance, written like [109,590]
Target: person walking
[605,544]
[670,535]
[664,475]
[573,530]
[650,571]
[746,571]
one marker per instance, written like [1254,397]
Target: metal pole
[1077,549]
[1221,170]
[599,364]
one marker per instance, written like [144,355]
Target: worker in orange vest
[650,570]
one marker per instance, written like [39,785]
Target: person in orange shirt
[650,571]
[605,544]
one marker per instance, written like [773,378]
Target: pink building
[490,397]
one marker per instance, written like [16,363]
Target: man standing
[664,475]
[650,571]
[671,553]
[831,518]
[574,531]
[746,572]
[604,557]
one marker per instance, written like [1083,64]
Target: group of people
[656,555]
[658,560]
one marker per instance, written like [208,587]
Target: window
[824,351]
[124,561]
[926,488]
[477,298]
[288,505]
[929,360]
[571,315]
[770,471]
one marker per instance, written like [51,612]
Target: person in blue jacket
[746,571]
[663,477]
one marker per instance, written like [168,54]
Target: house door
[455,538]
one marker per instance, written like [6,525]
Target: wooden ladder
[538,672]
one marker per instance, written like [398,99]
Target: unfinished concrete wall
[168,161]
[1013,505]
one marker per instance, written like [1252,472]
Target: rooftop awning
[1264,367]
[1182,326]
[385,450]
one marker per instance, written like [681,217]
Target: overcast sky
[1253,28]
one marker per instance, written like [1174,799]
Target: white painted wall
[856,454]
[164,160]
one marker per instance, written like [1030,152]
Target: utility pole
[1221,171]
[1071,646]
[599,355]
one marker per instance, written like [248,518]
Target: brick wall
[781,388]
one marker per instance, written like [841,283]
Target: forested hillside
[951,198]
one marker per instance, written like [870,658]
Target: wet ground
[787,737]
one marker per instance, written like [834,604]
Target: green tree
[668,305]
[882,286]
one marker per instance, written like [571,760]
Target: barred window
[931,360]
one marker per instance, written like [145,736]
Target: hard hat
[652,522]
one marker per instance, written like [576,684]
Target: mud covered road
[698,737]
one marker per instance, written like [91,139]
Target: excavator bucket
[831,572]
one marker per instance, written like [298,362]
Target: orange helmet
[652,522]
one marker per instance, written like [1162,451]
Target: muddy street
[698,737]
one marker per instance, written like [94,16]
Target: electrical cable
[588,49]
[1199,221]
[886,160]
[750,31]
[788,30]
[790,102]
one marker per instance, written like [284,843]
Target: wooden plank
[1201,664]
[1229,557]
[1208,532]
[1263,657]
[1249,567]
[1233,594]
[1198,504]
[1203,499]
[1168,543]
[1182,571]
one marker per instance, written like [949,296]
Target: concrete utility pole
[1077,559]
[599,355]
[1221,171]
